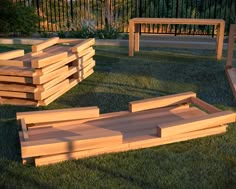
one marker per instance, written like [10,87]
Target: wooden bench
[136,22]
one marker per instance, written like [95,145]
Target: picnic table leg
[136,38]
[131,38]
[230,52]
[220,40]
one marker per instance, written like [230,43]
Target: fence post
[176,14]
[108,12]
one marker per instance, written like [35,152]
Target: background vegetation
[75,15]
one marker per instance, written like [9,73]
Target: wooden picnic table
[136,22]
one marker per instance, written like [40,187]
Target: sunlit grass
[119,79]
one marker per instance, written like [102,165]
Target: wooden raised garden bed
[50,70]
[57,135]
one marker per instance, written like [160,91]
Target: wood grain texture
[45,44]
[159,102]
[58,115]
[11,54]
[208,107]
[204,122]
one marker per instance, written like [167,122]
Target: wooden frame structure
[230,71]
[57,135]
[134,27]
[50,70]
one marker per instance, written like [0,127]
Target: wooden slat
[85,75]
[102,116]
[44,94]
[18,87]
[16,79]
[84,52]
[83,45]
[159,102]
[16,94]
[230,50]
[231,75]
[53,97]
[16,71]
[11,54]
[209,108]
[148,142]
[57,65]
[17,101]
[58,115]
[86,57]
[171,129]
[24,130]
[57,80]
[48,59]
[45,44]
[68,144]
[47,77]
[15,63]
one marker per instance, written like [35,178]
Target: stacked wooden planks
[50,70]
[82,132]
[230,71]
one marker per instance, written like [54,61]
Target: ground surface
[119,79]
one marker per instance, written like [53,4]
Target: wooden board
[16,71]
[204,122]
[83,45]
[45,44]
[231,75]
[58,115]
[159,102]
[67,144]
[209,108]
[148,142]
[5,86]
[48,59]
[11,54]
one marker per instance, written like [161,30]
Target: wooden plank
[16,94]
[83,64]
[52,75]
[84,52]
[159,102]
[231,75]
[171,129]
[149,142]
[16,79]
[17,101]
[24,130]
[230,50]
[48,59]
[11,54]
[57,65]
[84,70]
[53,97]
[68,144]
[45,44]
[83,45]
[58,115]
[102,116]
[177,21]
[44,94]
[15,63]
[57,80]
[18,87]
[16,71]
[85,75]
[86,57]
[209,108]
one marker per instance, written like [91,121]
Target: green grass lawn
[118,79]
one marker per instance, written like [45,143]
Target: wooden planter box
[50,70]
[57,135]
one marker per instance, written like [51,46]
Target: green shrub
[15,18]
[109,32]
